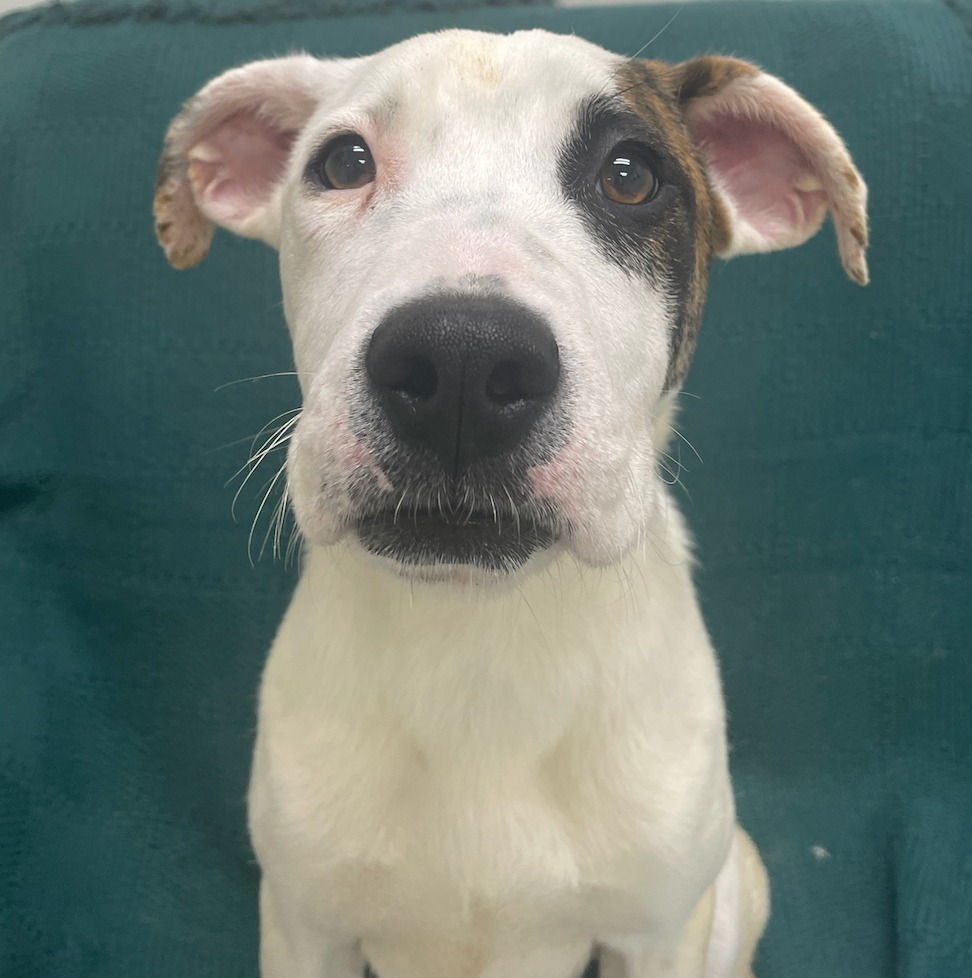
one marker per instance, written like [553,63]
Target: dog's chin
[471,549]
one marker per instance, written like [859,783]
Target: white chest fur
[550,759]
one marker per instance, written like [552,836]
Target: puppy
[491,731]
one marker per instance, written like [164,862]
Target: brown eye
[344,163]
[627,177]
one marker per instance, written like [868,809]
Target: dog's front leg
[292,949]
[720,937]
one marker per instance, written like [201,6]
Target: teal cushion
[832,509]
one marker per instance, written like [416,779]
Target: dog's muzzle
[462,384]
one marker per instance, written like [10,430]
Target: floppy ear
[775,163]
[227,150]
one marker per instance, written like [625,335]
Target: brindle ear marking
[692,106]
[714,92]
[183,231]
[226,150]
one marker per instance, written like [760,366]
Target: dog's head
[494,253]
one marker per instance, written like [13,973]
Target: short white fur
[467,777]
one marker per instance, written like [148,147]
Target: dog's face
[494,253]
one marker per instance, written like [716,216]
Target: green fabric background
[832,509]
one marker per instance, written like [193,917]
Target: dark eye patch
[653,237]
[659,239]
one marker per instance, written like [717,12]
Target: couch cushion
[832,509]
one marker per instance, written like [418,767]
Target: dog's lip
[424,535]
[472,520]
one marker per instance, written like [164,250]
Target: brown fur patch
[706,75]
[181,228]
[656,92]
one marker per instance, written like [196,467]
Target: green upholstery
[833,509]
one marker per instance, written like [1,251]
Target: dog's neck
[490,672]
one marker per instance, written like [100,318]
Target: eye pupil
[344,163]
[627,177]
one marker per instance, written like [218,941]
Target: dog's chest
[384,838]
[559,779]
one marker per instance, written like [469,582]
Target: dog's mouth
[490,540]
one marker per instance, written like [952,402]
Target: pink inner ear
[236,168]
[777,196]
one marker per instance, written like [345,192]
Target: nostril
[414,376]
[527,377]
[504,384]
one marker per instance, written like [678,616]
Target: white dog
[491,735]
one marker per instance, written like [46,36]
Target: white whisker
[248,380]
[256,519]
[687,442]
[275,441]
[644,47]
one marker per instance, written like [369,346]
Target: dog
[491,737]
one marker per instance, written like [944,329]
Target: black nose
[465,376]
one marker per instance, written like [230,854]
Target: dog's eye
[344,163]
[627,177]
